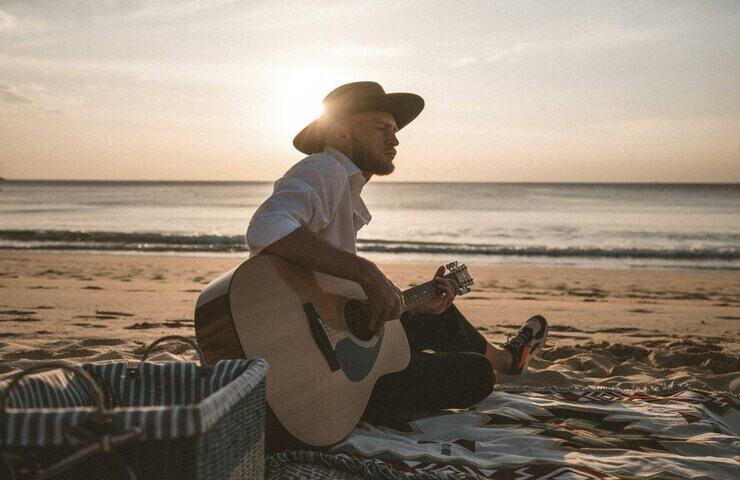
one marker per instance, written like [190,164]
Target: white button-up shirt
[322,193]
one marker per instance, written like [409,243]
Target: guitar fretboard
[415,296]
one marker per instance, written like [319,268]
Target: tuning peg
[451,265]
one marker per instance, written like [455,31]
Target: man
[312,218]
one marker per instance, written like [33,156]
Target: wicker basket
[160,420]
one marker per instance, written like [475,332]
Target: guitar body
[309,327]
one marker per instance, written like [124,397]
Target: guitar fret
[415,296]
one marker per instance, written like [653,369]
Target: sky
[515,91]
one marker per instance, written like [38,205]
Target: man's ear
[338,135]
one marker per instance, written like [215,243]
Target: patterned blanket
[550,433]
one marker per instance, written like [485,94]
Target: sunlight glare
[300,94]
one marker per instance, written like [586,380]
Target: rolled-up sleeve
[308,195]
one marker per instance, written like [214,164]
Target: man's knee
[479,379]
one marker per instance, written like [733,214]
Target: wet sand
[628,328]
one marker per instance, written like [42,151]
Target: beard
[369,162]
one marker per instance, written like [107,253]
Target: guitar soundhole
[357,318]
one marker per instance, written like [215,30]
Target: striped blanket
[560,433]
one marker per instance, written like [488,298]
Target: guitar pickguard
[357,361]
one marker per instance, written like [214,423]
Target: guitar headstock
[460,274]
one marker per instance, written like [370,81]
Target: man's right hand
[385,299]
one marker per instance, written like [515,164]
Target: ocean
[608,225]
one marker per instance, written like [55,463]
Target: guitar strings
[355,315]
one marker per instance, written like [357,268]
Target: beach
[623,327]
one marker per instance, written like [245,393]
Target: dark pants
[454,374]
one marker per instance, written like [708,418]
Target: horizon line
[528,182]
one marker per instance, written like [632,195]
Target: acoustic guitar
[313,331]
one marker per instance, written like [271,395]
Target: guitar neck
[415,296]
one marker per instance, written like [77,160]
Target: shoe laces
[523,337]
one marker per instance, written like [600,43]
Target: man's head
[361,120]
[368,138]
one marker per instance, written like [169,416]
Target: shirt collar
[348,164]
[357,180]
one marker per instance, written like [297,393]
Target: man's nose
[392,139]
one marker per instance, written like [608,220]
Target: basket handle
[85,377]
[180,338]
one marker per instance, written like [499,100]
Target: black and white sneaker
[527,342]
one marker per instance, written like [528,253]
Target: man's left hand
[447,292]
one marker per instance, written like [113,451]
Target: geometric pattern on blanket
[532,433]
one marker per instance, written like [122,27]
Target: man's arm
[305,248]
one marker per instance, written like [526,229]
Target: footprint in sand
[112,313]
[98,317]
[92,287]
[728,317]
[647,335]
[88,325]
[179,323]
[6,368]
[20,319]
[29,355]
[9,334]
[640,310]
[76,352]
[143,326]
[17,312]
[617,330]
[101,342]
[563,328]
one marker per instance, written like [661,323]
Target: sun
[300,93]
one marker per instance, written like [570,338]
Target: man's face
[373,136]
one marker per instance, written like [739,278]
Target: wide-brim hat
[358,97]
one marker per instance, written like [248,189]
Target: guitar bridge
[320,337]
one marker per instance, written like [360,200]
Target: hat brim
[403,106]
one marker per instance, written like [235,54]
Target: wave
[175,242]
[119,241]
[384,246]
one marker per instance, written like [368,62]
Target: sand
[621,327]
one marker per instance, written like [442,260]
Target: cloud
[463,62]
[365,51]
[9,94]
[176,8]
[7,21]
[231,74]
[509,53]
[32,97]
